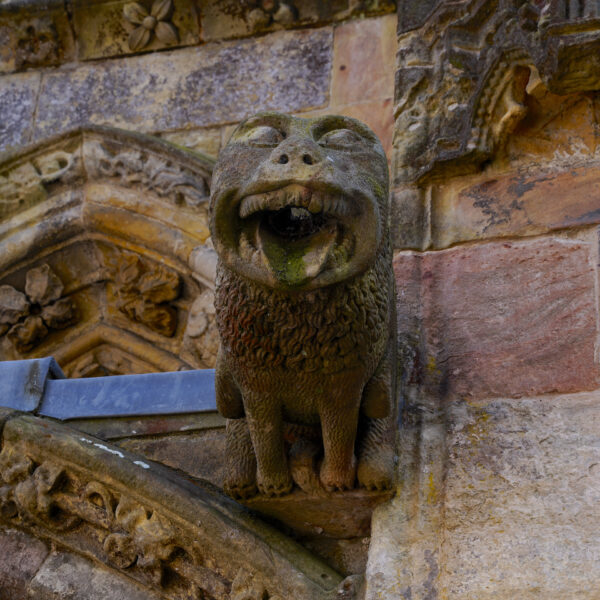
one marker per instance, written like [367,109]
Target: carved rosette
[146,24]
[27,318]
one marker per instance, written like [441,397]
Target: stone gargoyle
[305,305]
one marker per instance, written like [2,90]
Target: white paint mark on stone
[141,464]
[103,447]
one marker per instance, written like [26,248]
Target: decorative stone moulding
[456,102]
[39,33]
[34,37]
[178,537]
[115,224]
[470,75]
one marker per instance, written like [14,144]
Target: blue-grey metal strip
[127,395]
[23,382]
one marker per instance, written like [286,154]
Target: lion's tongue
[294,262]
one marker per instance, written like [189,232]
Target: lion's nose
[297,154]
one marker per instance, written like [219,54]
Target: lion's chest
[327,331]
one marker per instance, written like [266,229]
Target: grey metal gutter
[39,386]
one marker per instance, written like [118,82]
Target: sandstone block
[512,319]
[212,84]
[17,106]
[71,577]
[523,482]
[364,59]
[517,204]
[506,511]
[21,555]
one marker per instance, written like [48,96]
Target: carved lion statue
[304,305]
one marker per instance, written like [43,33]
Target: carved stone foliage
[27,318]
[149,171]
[145,292]
[462,76]
[184,541]
[104,206]
[134,160]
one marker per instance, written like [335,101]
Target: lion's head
[299,203]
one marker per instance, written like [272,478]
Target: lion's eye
[340,139]
[263,135]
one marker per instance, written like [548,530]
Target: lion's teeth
[316,204]
[246,249]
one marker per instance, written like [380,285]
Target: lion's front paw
[276,484]
[334,478]
[375,473]
[240,491]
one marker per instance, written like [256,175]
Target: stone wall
[62,70]
[497,270]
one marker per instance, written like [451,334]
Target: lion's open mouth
[295,232]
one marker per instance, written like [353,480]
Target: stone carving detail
[457,102]
[265,13]
[25,184]
[131,534]
[148,171]
[26,318]
[201,335]
[37,45]
[50,482]
[156,22]
[105,360]
[304,301]
[145,291]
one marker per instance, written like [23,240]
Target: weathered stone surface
[363,61]
[509,510]
[21,556]
[223,19]
[410,218]
[517,205]
[171,535]
[283,71]
[34,38]
[102,30]
[181,451]
[17,106]
[514,318]
[457,101]
[72,577]
[206,140]
[338,515]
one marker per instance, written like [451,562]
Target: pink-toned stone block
[504,319]
[378,115]
[364,58]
